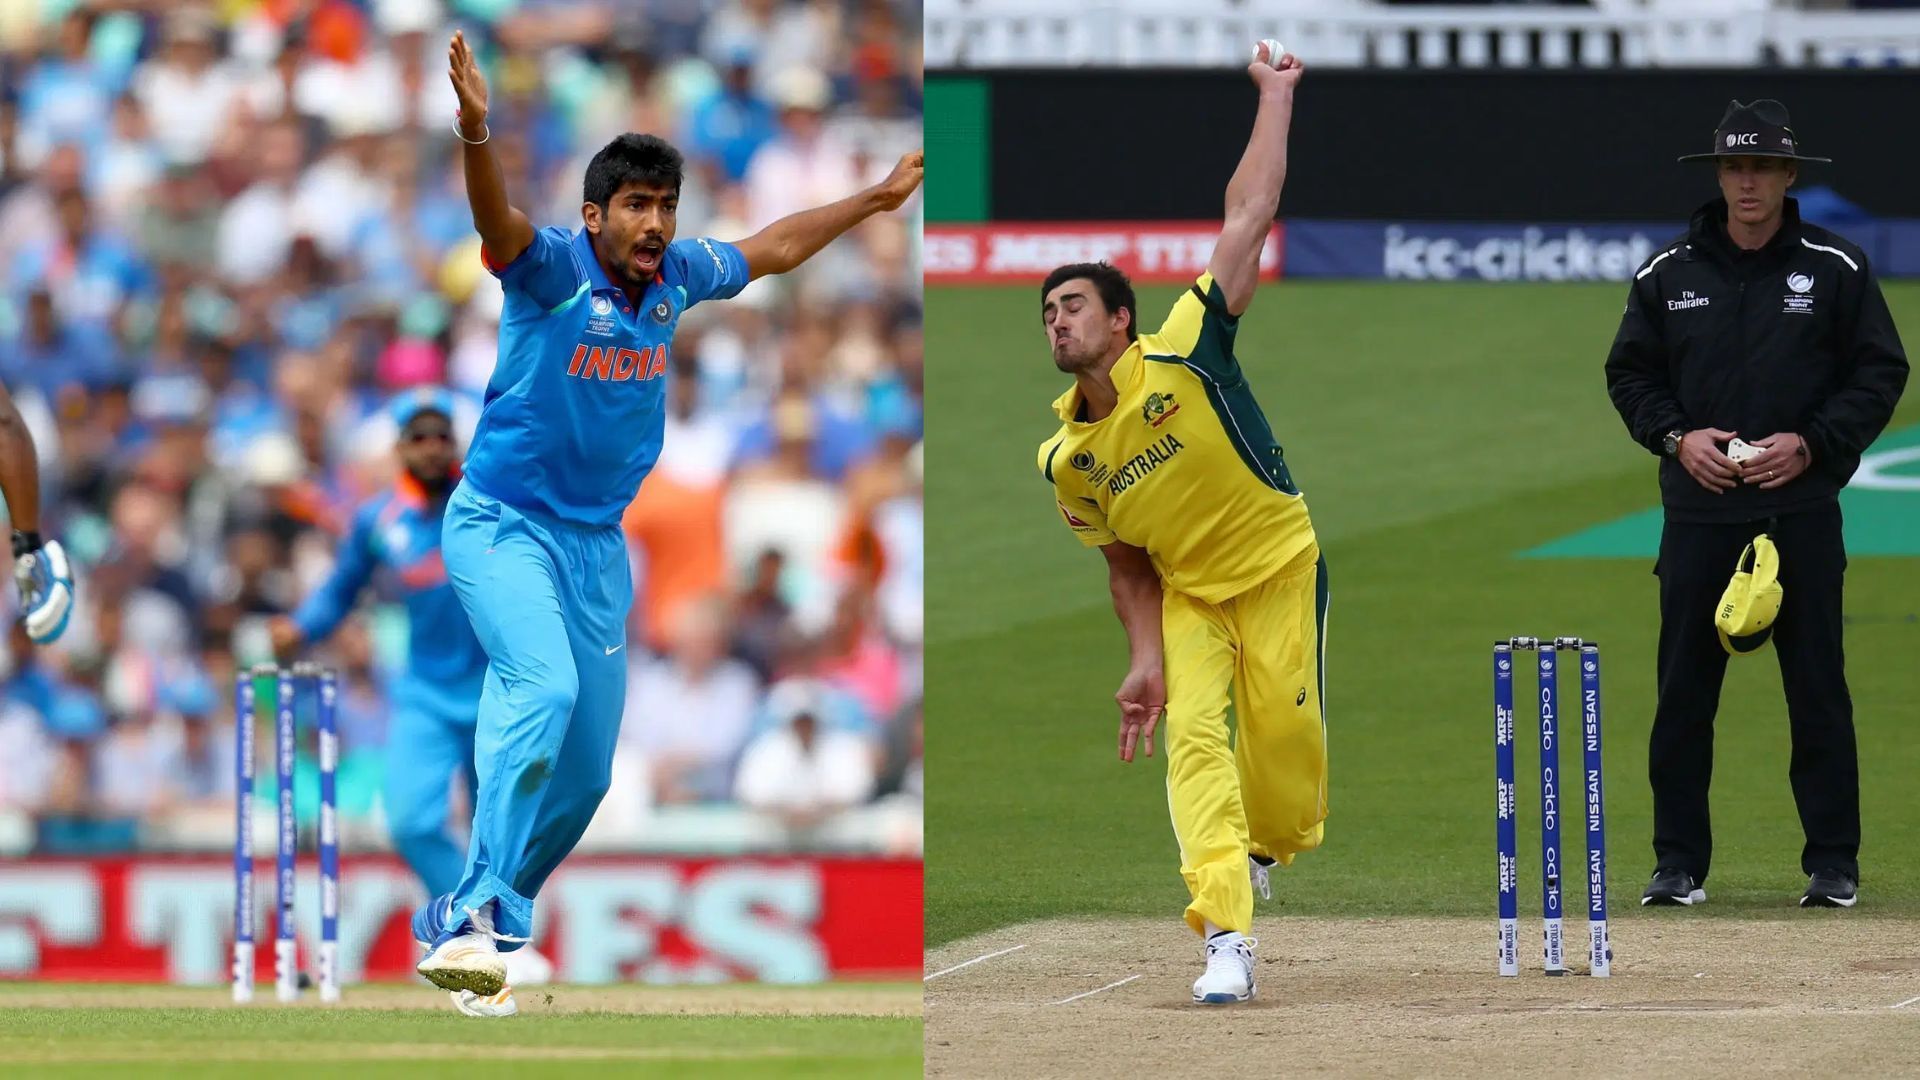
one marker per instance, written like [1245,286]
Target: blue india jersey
[576,407]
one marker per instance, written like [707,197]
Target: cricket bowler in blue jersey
[572,422]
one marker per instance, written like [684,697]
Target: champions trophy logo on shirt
[1800,300]
[1087,463]
[602,306]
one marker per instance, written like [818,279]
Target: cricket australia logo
[1158,409]
[1799,300]
[1688,300]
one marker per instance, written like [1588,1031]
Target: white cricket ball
[1275,51]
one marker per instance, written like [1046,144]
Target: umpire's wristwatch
[1670,444]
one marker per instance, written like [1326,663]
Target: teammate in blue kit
[572,423]
[430,730]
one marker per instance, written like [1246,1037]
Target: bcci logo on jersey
[1158,409]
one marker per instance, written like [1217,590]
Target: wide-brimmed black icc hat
[1760,129]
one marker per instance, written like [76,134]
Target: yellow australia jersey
[1186,465]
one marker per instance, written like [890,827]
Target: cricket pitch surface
[1705,995]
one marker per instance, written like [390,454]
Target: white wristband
[471,142]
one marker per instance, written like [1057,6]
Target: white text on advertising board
[1531,254]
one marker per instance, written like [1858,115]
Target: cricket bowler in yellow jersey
[1165,462]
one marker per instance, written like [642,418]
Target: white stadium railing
[1213,33]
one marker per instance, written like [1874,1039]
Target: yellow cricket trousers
[1264,793]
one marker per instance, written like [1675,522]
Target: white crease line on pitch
[1905,1003]
[970,963]
[1090,993]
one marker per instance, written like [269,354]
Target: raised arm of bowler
[1167,464]
[572,423]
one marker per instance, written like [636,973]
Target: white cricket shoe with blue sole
[1229,975]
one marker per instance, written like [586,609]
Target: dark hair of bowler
[1116,292]
[632,159]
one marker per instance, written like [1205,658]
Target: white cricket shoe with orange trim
[498,1005]
[469,961]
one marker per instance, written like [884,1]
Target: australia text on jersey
[1143,463]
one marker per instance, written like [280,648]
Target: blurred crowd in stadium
[230,233]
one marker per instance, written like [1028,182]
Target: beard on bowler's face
[1074,356]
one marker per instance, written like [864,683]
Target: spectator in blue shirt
[89,271]
[730,126]
[66,97]
[49,354]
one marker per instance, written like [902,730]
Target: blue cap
[412,403]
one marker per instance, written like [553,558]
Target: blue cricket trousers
[549,602]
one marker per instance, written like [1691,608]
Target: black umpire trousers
[1695,564]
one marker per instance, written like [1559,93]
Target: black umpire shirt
[1794,337]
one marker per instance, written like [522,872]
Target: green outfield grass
[1436,430]
[76,1030]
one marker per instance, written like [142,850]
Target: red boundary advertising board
[602,918]
[1023,252]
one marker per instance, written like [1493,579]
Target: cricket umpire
[1759,327]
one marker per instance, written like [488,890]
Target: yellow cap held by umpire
[1751,603]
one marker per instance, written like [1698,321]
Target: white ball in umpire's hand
[1275,51]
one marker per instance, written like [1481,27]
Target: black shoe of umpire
[1829,888]
[1670,886]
